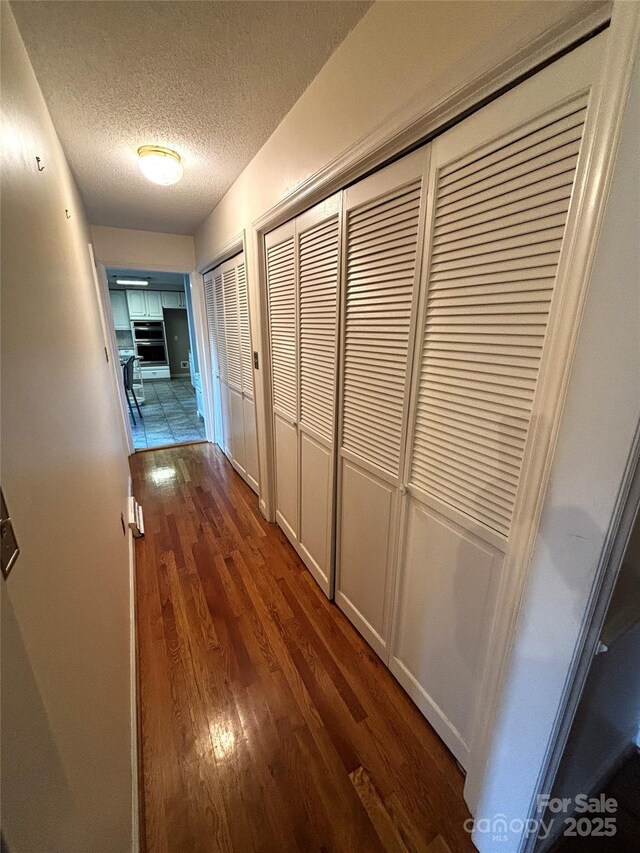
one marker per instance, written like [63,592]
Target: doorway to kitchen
[154,328]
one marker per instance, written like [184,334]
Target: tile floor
[169,414]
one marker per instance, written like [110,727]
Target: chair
[127,375]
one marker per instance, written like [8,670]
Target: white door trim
[111,350]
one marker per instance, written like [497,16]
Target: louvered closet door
[210,309]
[383,221]
[221,343]
[318,241]
[234,363]
[282,290]
[501,185]
[248,399]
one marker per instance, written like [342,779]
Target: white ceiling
[157,280]
[210,79]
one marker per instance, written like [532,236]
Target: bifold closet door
[302,260]
[501,185]
[227,306]
[383,221]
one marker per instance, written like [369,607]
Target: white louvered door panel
[221,344]
[232,324]
[383,221]
[283,332]
[245,330]
[318,243]
[501,185]
[210,309]
[229,270]
[246,356]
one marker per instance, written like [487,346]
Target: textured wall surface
[209,79]
[66,723]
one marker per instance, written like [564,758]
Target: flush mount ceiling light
[160,165]
[132,282]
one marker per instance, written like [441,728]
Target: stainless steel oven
[149,340]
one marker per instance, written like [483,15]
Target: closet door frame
[477,82]
[377,185]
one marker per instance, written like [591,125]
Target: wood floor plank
[267,723]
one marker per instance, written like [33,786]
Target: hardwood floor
[267,723]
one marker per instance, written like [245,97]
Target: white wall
[606,727]
[151,250]
[397,52]
[601,416]
[607,719]
[66,722]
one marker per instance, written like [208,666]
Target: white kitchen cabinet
[154,305]
[144,305]
[137,304]
[119,309]
[160,371]
[173,299]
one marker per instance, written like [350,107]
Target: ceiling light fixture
[160,165]
[132,282]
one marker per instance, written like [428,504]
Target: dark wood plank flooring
[267,723]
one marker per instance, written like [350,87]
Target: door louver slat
[232,327]
[282,312]
[318,259]
[245,331]
[221,337]
[500,215]
[210,310]
[382,239]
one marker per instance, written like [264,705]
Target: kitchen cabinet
[119,309]
[144,305]
[174,299]
[157,371]
[154,304]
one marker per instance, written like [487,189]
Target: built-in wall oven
[149,340]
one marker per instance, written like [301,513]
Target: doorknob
[403,489]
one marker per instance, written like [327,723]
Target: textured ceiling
[210,79]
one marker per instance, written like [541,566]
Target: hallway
[267,722]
